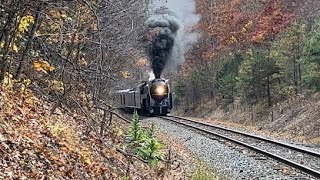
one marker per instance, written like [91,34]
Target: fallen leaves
[37,145]
[42,66]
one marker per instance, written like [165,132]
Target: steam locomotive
[150,97]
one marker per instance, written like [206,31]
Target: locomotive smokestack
[164,31]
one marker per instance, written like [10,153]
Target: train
[152,98]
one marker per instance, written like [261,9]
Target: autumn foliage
[59,60]
[251,54]
[35,144]
[272,20]
[237,24]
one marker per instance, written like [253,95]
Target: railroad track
[302,159]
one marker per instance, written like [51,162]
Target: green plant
[143,143]
[125,178]
[151,131]
[135,135]
[311,62]
[202,174]
[149,150]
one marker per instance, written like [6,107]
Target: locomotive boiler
[150,97]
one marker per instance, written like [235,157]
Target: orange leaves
[85,156]
[69,142]
[258,37]
[42,66]
[223,21]
[238,23]
[270,22]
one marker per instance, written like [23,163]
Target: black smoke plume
[160,48]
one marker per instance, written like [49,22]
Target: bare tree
[87,42]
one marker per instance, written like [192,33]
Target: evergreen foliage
[227,79]
[287,51]
[135,135]
[143,143]
[149,150]
[311,77]
[263,76]
[255,74]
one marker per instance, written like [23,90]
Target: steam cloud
[174,20]
[160,48]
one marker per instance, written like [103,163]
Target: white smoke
[151,76]
[183,11]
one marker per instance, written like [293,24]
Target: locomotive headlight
[160,90]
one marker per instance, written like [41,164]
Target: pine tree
[255,76]
[288,53]
[135,134]
[227,79]
[311,77]
[143,142]
[150,150]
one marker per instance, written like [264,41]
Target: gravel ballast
[228,162]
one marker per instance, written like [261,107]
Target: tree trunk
[7,39]
[269,93]
[300,78]
[295,77]
[29,42]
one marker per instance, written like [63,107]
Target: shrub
[143,142]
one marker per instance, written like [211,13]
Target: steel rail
[290,163]
[306,151]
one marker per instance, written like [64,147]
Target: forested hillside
[68,48]
[59,61]
[254,61]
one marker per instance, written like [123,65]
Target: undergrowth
[202,173]
[143,143]
[35,144]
